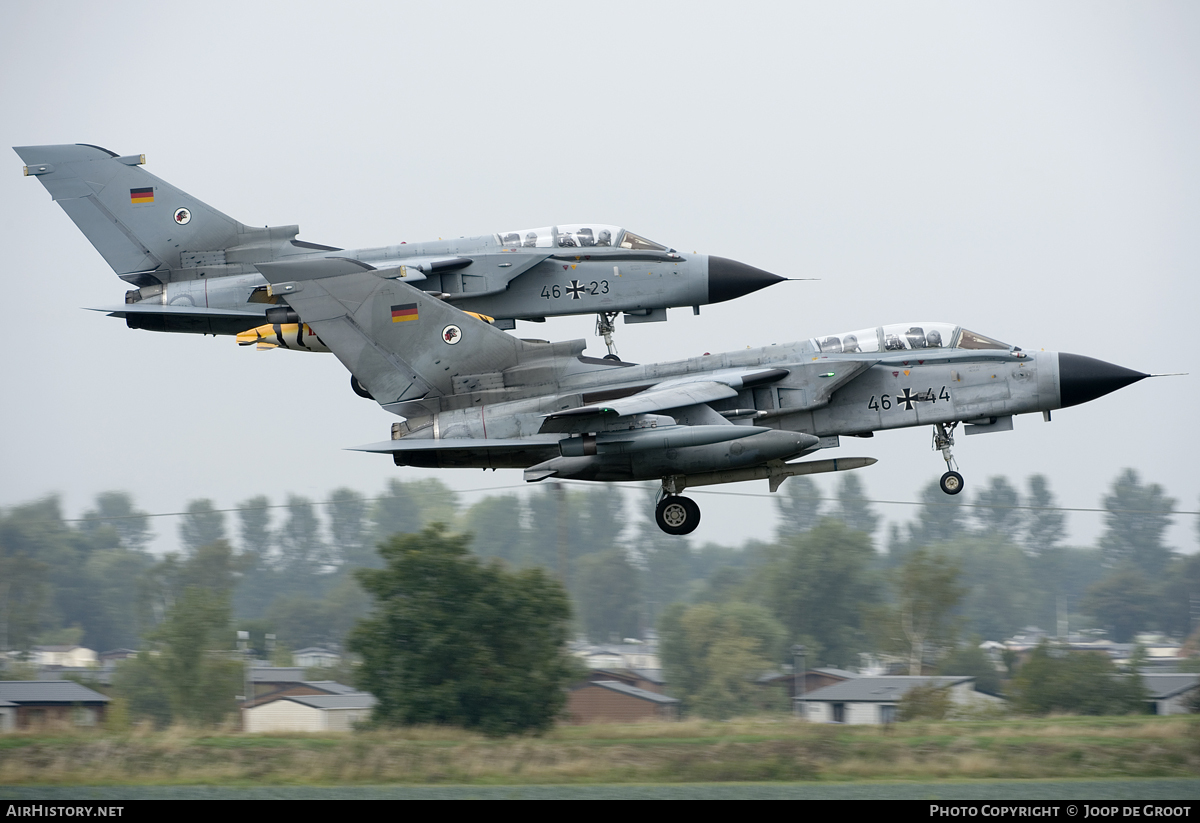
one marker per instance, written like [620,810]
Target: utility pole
[800,703]
[561,510]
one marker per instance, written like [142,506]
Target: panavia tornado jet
[474,397]
[197,270]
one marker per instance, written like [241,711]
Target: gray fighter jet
[474,397]
[198,270]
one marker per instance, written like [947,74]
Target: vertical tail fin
[405,345]
[139,223]
[401,343]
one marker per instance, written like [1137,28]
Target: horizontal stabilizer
[175,311]
[185,319]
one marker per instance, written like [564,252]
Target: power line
[634,488]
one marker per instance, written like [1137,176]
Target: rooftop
[356,700]
[48,691]
[1162,686]
[880,689]
[632,691]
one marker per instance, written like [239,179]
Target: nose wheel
[677,515]
[951,482]
[943,440]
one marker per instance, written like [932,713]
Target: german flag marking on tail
[139,196]
[407,311]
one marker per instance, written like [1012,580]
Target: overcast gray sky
[1027,169]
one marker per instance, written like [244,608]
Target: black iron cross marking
[908,398]
[575,288]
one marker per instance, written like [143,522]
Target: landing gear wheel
[677,515]
[612,357]
[951,482]
[359,388]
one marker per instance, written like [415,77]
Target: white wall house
[867,700]
[8,716]
[309,713]
[1170,693]
[71,656]
[315,657]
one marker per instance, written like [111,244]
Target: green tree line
[828,580]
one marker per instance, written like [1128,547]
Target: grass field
[695,752]
[947,790]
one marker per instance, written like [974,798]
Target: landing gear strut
[943,439]
[605,328]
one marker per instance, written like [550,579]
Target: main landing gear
[677,515]
[943,439]
[673,513]
[360,389]
[605,328]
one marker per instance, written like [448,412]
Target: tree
[972,661]
[920,621]
[1057,680]
[999,592]
[254,527]
[451,640]
[114,618]
[496,524]
[928,702]
[852,507]
[667,562]
[349,536]
[303,555]
[1123,603]
[607,596]
[1181,595]
[406,507]
[200,687]
[799,505]
[116,510]
[1044,524]
[817,588]
[998,512]
[257,540]
[25,532]
[712,655]
[567,523]
[202,525]
[942,517]
[185,677]
[1136,519]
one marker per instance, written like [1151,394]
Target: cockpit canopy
[907,337]
[577,235]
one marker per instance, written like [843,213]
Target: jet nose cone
[1081,379]
[728,279]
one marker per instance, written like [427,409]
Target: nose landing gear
[943,439]
[605,328]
